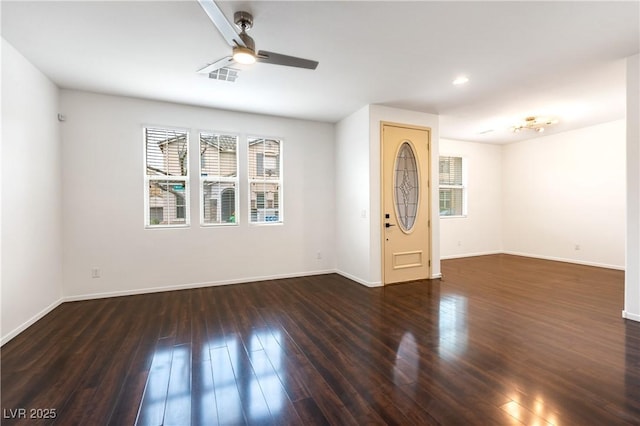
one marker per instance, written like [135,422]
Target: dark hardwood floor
[500,340]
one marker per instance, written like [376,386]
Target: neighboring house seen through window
[166,177]
[167,188]
[265,180]
[219,178]
[452,187]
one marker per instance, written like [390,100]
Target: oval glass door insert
[407,187]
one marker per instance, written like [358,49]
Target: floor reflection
[531,410]
[452,326]
[246,379]
[167,396]
[235,381]
[407,360]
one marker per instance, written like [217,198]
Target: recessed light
[460,80]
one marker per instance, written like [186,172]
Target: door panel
[405,203]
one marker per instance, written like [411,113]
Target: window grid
[166,177]
[265,180]
[452,187]
[218,179]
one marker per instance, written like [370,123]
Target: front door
[405,203]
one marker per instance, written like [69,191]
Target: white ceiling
[564,59]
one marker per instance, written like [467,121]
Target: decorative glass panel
[407,187]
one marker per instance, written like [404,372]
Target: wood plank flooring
[501,340]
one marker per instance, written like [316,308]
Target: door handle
[388,225]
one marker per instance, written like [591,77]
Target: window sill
[463,216]
[153,227]
[218,225]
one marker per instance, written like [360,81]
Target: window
[166,177]
[452,187]
[265,180]
[219,178]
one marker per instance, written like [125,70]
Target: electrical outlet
[95,273]
[577,247]
[319,255]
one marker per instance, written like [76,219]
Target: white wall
[103,202]
[353,197]
[480,232]
[565,190]
[31,194]
[632,276]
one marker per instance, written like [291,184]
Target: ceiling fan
[243,46]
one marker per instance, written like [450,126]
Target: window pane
[166,152]
[264,159]
[219,174]
[450,170]
[219,201]
[451,201]
[166,173]
[167,202]
[218,155]
[264,202]
[264,180]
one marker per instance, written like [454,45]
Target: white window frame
[235,180]
[148,179]
[279,182]
[463,187]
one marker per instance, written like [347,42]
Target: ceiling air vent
[224,74]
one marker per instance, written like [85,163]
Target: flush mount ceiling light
[536,124]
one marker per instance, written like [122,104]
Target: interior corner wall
[103,182]
[564,196]
[31,194]
[353,198]
[632,275]
[479,232]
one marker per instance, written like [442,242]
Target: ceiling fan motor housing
[244,20]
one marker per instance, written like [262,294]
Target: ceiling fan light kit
[244,55]
[537,124]
[242,45]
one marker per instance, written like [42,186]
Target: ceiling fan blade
[221,22]
[224,62]
[289,61]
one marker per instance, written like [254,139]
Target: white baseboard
[358,280]
[373,284]
[560,259]
[459,256]
[630,316]
[535,256]
[30,321]
[91,296]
